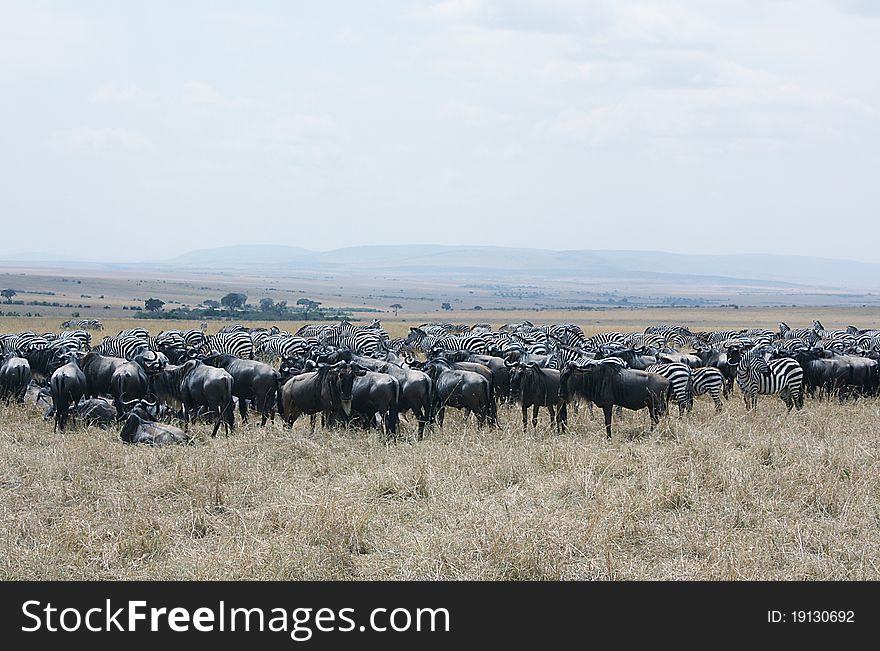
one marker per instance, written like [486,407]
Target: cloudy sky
[718,126]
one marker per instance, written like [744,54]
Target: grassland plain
[711,496]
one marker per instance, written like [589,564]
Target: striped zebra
[82,323]
[419,340]
[231,343]
[23,342]
[681,383]
[283,345]
[134,332]
[838,340]
[708,379]
[868,340]
[562,356]
[755,376]
[126,347]
[79,338]
[235,327]
[807,335]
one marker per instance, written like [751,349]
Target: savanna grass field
[736,495]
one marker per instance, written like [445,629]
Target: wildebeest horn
[127,403]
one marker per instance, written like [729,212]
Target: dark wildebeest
[68,385]
[718,359]
[15,376]
[828,375]
[375,393]
[44,362]
[128,382]
[533,386]
[318,392]
[459,389]
[99,370]
[473,367]
[96,411]
[669,356]
[252,380]
[139,427]
[497,365]
[610,383]
[195,385]
[416,388]
[635,359]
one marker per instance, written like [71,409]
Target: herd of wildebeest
[357,375]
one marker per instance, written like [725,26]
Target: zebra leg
[717,399]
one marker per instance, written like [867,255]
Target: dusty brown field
[730,496]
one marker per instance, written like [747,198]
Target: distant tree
[211,303]
[8,294]
[395,307]
[309,304]
[233,301]
[267,305]
[281,307]
[478,307]
[446,306]
[153,304]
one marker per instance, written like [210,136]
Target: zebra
[235,327]
[126,347]
[708,379]
[681,383]
[562,356]
[604,338]
[134,332]
[755,375]
[232,343]
[83,323]
[282,345]
[79,338]
[805,334]
[23,342]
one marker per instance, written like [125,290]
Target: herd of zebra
[333,370]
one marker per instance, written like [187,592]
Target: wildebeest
[68,385]
[15,376]
[460,389]
[193,385]
[128,382]
[98,370]
[321,391]
[140,428]
[252,380]
[375,393]
[533,386]
[610,383]
[96,411]
[416,388]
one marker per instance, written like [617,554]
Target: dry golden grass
[730,496]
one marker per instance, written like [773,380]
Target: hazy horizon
[141,132]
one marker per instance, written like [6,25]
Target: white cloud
[200,92]
[110,93]
[102,139]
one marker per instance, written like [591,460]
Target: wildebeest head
[144,409]
[342,375]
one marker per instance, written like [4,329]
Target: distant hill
[503,262]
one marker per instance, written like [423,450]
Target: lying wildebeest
[15,376]
[128,382]
[96,411]
[251,380]
[459,389]
[139,427]
[39,397]
[194,385]
[321,391]
[68,385]
[610,383]
[533,386]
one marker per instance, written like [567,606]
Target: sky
[142,130]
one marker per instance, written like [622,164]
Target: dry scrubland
[764,496]
[730,496]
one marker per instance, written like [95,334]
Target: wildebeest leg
[525,417]
[607,410]
[535,416]
[441,413]
[217,422]
[552,414]
[313,418]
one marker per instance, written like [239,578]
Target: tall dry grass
[729,496]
